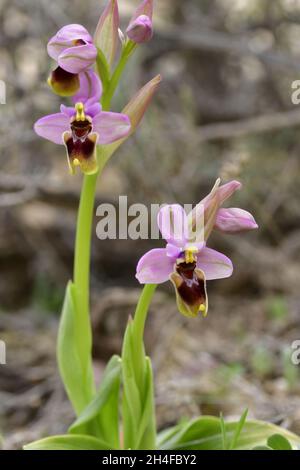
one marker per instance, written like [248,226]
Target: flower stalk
[128,49]
[83,242]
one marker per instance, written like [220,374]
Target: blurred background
[224,109]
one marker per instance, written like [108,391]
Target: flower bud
[140,28]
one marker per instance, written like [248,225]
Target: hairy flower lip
[81,129]
[64,83]
[81,152]
[190,287]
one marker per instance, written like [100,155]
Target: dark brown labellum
[192,289]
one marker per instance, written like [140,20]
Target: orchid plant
[120,413]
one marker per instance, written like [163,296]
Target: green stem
[127,51]
[83,242]
[141,311]
[103,70]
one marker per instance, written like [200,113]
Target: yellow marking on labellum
[190,254]
[203,310]
[76,162]
[80,114]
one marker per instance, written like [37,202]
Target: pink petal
[215,265]
[234,220]
[93,110]
[67,110]
[78,59]
[154,267]
[90,88]
[111,126]
[64,38]
[173,224]
[52,127]
[73,32]
[173,251]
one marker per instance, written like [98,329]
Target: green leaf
[131,396]
[138,403]
[101,417]
[223,432]
[205,433]
[74,353]
[279,442]
[147,425]
[68,442]
[238,430]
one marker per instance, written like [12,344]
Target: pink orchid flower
[82,127]
[186,260]
[140,28]
[73,49]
